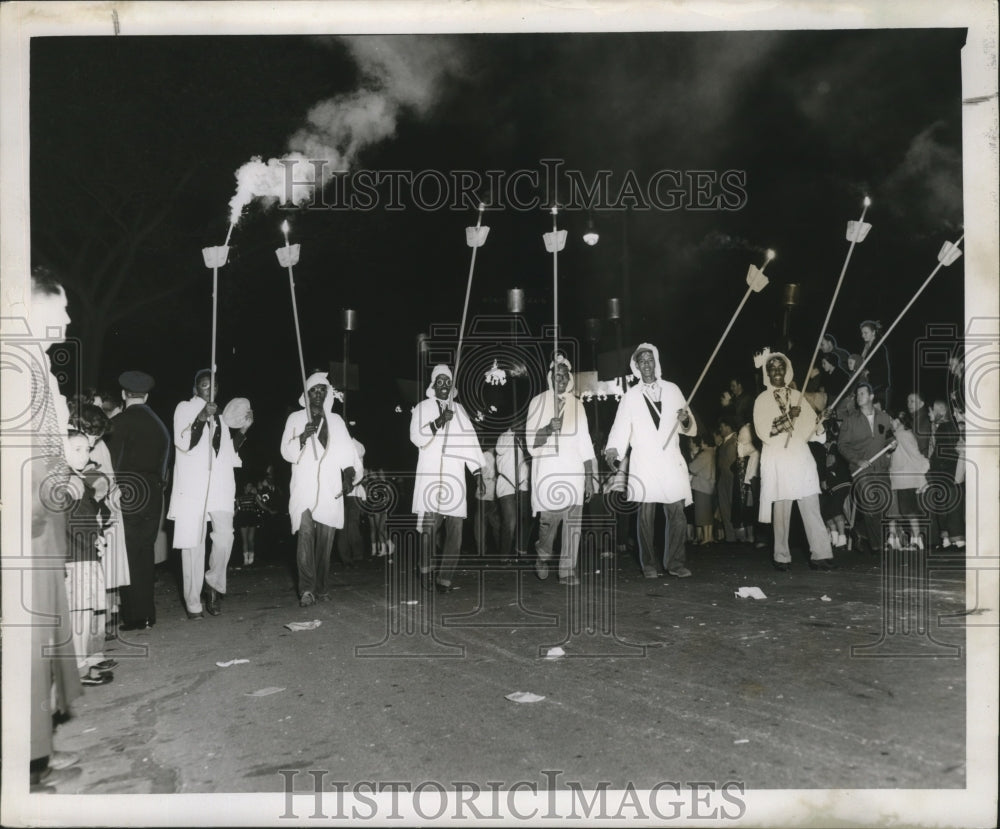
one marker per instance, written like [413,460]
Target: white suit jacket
[317,483]
[656,475]
[203,481]
[444,456]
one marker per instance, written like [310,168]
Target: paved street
[661,680]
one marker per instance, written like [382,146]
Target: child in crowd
[907,475]
[702,469]
[87,519]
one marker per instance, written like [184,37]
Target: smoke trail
[926,186]
[397,72]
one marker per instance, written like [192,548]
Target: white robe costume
[317,483]
[656,475]
[558,473]
[444,456]
[787,473]
[202,484]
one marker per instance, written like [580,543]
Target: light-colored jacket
[317,481]
[506,475]
[204,482]
[558,471]
[907,466]
[657,475]
[444,456]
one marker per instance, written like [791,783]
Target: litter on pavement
[265,692]
[233,662]
[750,593]
[555,653]
[296,626]
[524,696]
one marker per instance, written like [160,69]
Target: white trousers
[812,519]
[193,561]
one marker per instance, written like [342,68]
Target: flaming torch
[555,241]
[287,257]
[756,282]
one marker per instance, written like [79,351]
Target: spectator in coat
[863,434]
[139,447]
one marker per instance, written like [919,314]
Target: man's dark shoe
[213,601]
[783,566]
[823,564]
[143,624]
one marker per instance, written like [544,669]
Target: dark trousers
[487,525]
[137,603]
[430,527]
[724,484]
[871,494]
[350,544]
[950,516]
[515,524]
[315,541]
[674,554]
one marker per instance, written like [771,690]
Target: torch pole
[555,315]
[715,351]
[465,311]
[857,372]
[888,447]
[829,312]
[298,340]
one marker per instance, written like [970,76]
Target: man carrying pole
[648,419]
[448,445]
[204,490]
[787,469]
[562,471]
[319,480]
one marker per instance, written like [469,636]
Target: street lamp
[615,315]
[591,235]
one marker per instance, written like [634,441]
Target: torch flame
[770,254]
[285,227]
[867,202]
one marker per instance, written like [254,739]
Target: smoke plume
[396,72]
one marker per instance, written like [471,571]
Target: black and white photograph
[512,413]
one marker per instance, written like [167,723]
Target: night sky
[148,132]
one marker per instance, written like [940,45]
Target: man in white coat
[649,412]
[204,490]
[325,464]
[448,444]
[787,469]
[562,469]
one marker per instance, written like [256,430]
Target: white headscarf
[435,373]
[656,358]
[317,379]
[789,373]
[550,379]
